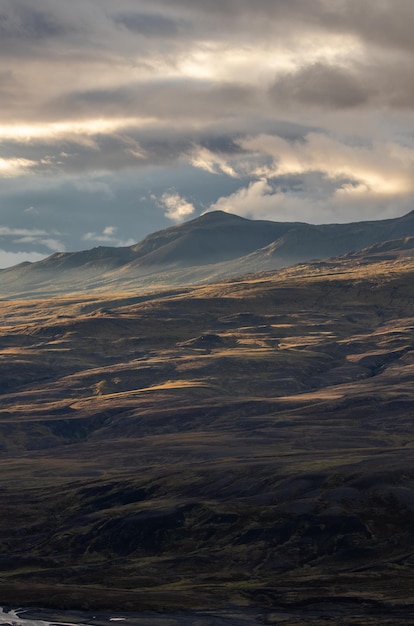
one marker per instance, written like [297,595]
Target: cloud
[15,167]
[52,244]
[209,161]
[7,231]
[7,259]
[321,84]
[313,204]
[386,23]
[383,167]
[72,153]
[177,208]
[108,231]
[384,83]
[277,108]
[258,200]
[322,178]
[34,236]
[132,148]
[108,236]
[21,21]
[162,99]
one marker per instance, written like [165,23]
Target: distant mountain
[210,247]
[211,238]
[385,251]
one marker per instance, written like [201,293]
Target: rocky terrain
[247,443]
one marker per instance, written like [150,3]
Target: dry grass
[250,440]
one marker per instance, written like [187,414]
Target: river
[43,617]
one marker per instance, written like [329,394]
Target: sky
[122,117]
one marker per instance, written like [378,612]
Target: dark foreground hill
[248,442]
[211,247]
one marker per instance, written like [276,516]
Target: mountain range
[211,247]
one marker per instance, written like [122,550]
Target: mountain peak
[218,217]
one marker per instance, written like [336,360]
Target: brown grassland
[247,442]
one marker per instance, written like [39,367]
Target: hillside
[246,442]
[211,247]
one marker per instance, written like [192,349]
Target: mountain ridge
[213,246]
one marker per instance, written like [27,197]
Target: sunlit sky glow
[60,130]
[121,118]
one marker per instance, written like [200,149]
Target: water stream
[43,617]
